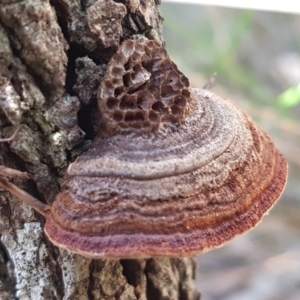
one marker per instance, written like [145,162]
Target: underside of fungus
[179,171]
[174,171]
[143,89]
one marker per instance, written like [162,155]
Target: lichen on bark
[53,57]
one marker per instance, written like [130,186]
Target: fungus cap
[184,182]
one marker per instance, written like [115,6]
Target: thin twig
[210,82]
[12,173]
[36,204]
[2,140]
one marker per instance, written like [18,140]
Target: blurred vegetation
[243,47]
[290,97]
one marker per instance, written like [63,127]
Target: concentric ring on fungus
[174,171]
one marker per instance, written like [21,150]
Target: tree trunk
[52,58]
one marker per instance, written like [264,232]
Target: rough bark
[52,59]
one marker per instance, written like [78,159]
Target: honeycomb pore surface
[142,88]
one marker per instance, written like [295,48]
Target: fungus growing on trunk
[174,171]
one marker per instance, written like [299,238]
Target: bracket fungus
[174,171]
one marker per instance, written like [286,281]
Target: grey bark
[52,59]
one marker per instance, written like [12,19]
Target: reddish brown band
[142,245]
